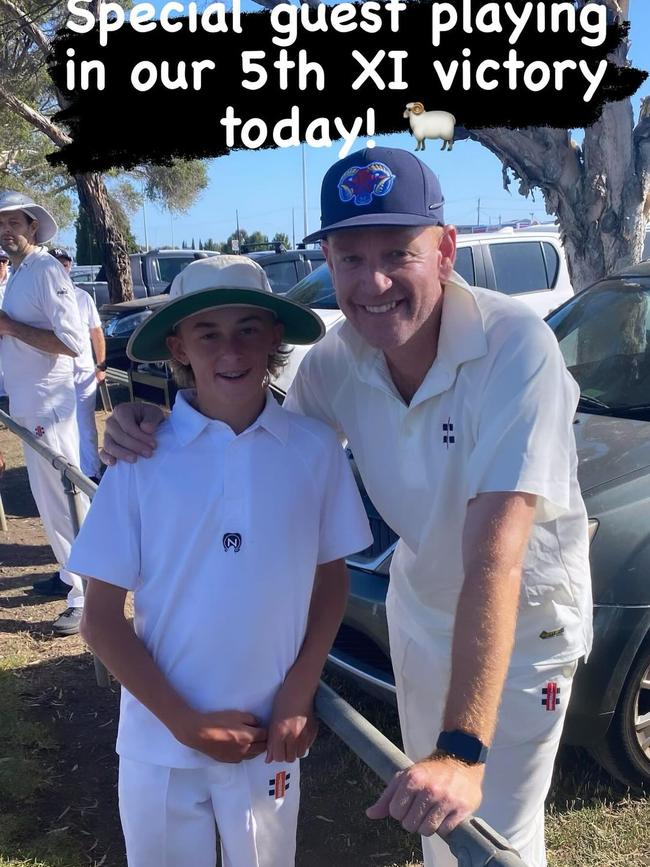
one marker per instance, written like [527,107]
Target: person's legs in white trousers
[62,436]
[170,815]
[520,763]
[88,446]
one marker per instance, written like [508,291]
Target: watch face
[463,746]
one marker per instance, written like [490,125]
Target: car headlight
[123,326]
[593,525]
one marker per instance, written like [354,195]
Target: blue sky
[266,186]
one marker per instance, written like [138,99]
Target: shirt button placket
[234,488]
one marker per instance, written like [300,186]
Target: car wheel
[626,751]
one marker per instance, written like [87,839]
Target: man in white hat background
[458,407]
[89,371]
[41,335]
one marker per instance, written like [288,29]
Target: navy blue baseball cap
[379,187]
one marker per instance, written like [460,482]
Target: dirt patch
[71,818]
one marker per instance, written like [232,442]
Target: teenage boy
[232,539]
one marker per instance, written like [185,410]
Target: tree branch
[35,118]
[28,26]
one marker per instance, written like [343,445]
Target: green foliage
[281,238]
[175,186]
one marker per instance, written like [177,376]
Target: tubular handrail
[473,842]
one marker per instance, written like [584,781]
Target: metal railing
[473,842]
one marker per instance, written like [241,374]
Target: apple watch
[460,745]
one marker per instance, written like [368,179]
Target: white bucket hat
[220,281]
[47,227]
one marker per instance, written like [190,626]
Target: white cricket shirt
[494,413]
[84,363]
[219,536]
[39,293]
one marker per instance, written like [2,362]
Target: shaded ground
[58,766]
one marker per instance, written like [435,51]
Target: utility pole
[293,227]
[478,213]
[144,220]
[304,191]
[238,233]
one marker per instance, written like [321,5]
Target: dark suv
[284,268]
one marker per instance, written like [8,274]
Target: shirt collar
[189,423]
[30,258]
[462,338]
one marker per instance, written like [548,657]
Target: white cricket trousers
[62,435]
[170,815]
[88,452]
[520,762]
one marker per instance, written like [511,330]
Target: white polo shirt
[84,364]
[39,293]
[494,413]
[219,536]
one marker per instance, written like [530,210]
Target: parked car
[152,273]
[604,336]
[284,268]
[119,321]
[84,273]
[531,267]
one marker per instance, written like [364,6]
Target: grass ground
[58,767]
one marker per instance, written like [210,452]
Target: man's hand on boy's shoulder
[130,432]
[293,725]
[226,736]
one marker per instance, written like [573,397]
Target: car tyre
[625,751]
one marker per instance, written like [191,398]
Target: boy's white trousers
[520,762]
[62,435]
[170,815]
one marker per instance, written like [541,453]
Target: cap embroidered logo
[360,183]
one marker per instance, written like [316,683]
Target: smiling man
[41,335]
[458,408]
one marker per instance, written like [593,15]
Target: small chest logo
[448,437]
[61,291]
[39,431]
[278,786]
[551,695]
[232,541]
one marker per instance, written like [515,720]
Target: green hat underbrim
[149,341]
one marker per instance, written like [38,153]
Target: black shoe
[53,586]
[68,623]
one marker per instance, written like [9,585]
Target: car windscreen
[315,290]
[603,334]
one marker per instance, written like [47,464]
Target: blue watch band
[462,746]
